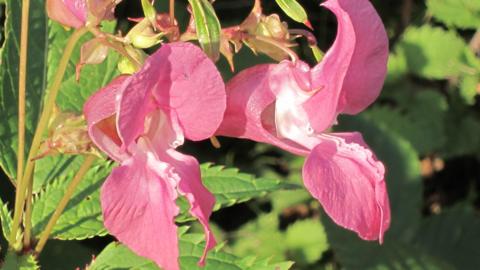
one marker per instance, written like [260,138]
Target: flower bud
[143,36]
[125,65]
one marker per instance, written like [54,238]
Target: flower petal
[368,67]
[344,175]
[138,202]
[190,185]
[58,11]
[353,70]
[190,84]
[251,104]
[99,111]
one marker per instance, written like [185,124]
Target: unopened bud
[143,35]
[125,65]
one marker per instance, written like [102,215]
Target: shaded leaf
[22,262]
[207,27]
[82,218]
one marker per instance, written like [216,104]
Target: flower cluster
[139,120]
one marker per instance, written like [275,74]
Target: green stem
[27,236]
[63,202]
[42,125]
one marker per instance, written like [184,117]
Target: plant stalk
[26,180]
[87,163]
[27,236]
[171,11]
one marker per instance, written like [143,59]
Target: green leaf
[73,94]
[207,26]
[294,10]
[453,236]
[432,52]
[469,87]
[232,187]
[22,262]
[117,256]
[5,219]
[307,240]
[36,79]
[419,118]
[52,167]
[459,13]
[82,217]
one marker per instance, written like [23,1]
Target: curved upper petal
[353,70]
[189,83]
[138,203]
[251,104]
[344,175]
[99,112]
[178,77]
[190,185]
[71,13]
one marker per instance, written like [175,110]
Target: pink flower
[75,13]
[291,106]
[139,121]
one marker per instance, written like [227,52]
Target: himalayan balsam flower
[76,13]
[139,121]
[291,105]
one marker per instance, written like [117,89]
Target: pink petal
[353,70]
[177,77]
[59,11]
[190,185]
[250,110]
[368,67]
[344,175]
[190,84]
[99,111]
[138,202]
[78,8]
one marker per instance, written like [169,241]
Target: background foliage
[425,127]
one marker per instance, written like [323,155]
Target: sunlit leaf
[294,10]
[207,27]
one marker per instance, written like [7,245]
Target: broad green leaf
[306,240]
[232,187]
[5,219]
[419,118]
[207,26]
[432,52]
[82,217]
[117,256]
[36,79]
[294,10]
[459,13]
[453,236]
[469,88]
[73,94]
[50,168]
[22,262]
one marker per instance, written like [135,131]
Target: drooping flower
[76,13]
[138,121]
[291,105]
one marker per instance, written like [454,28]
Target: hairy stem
[87,163]
[26,180]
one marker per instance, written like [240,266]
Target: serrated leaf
[207,27]
[117,256]
[19,262]
[459,13]
[73,94]
[5,219]
[307,240]
[82,218]
[36,79]
[232,187]
[432,52]
[294,10]
[51,167]
[453,236]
